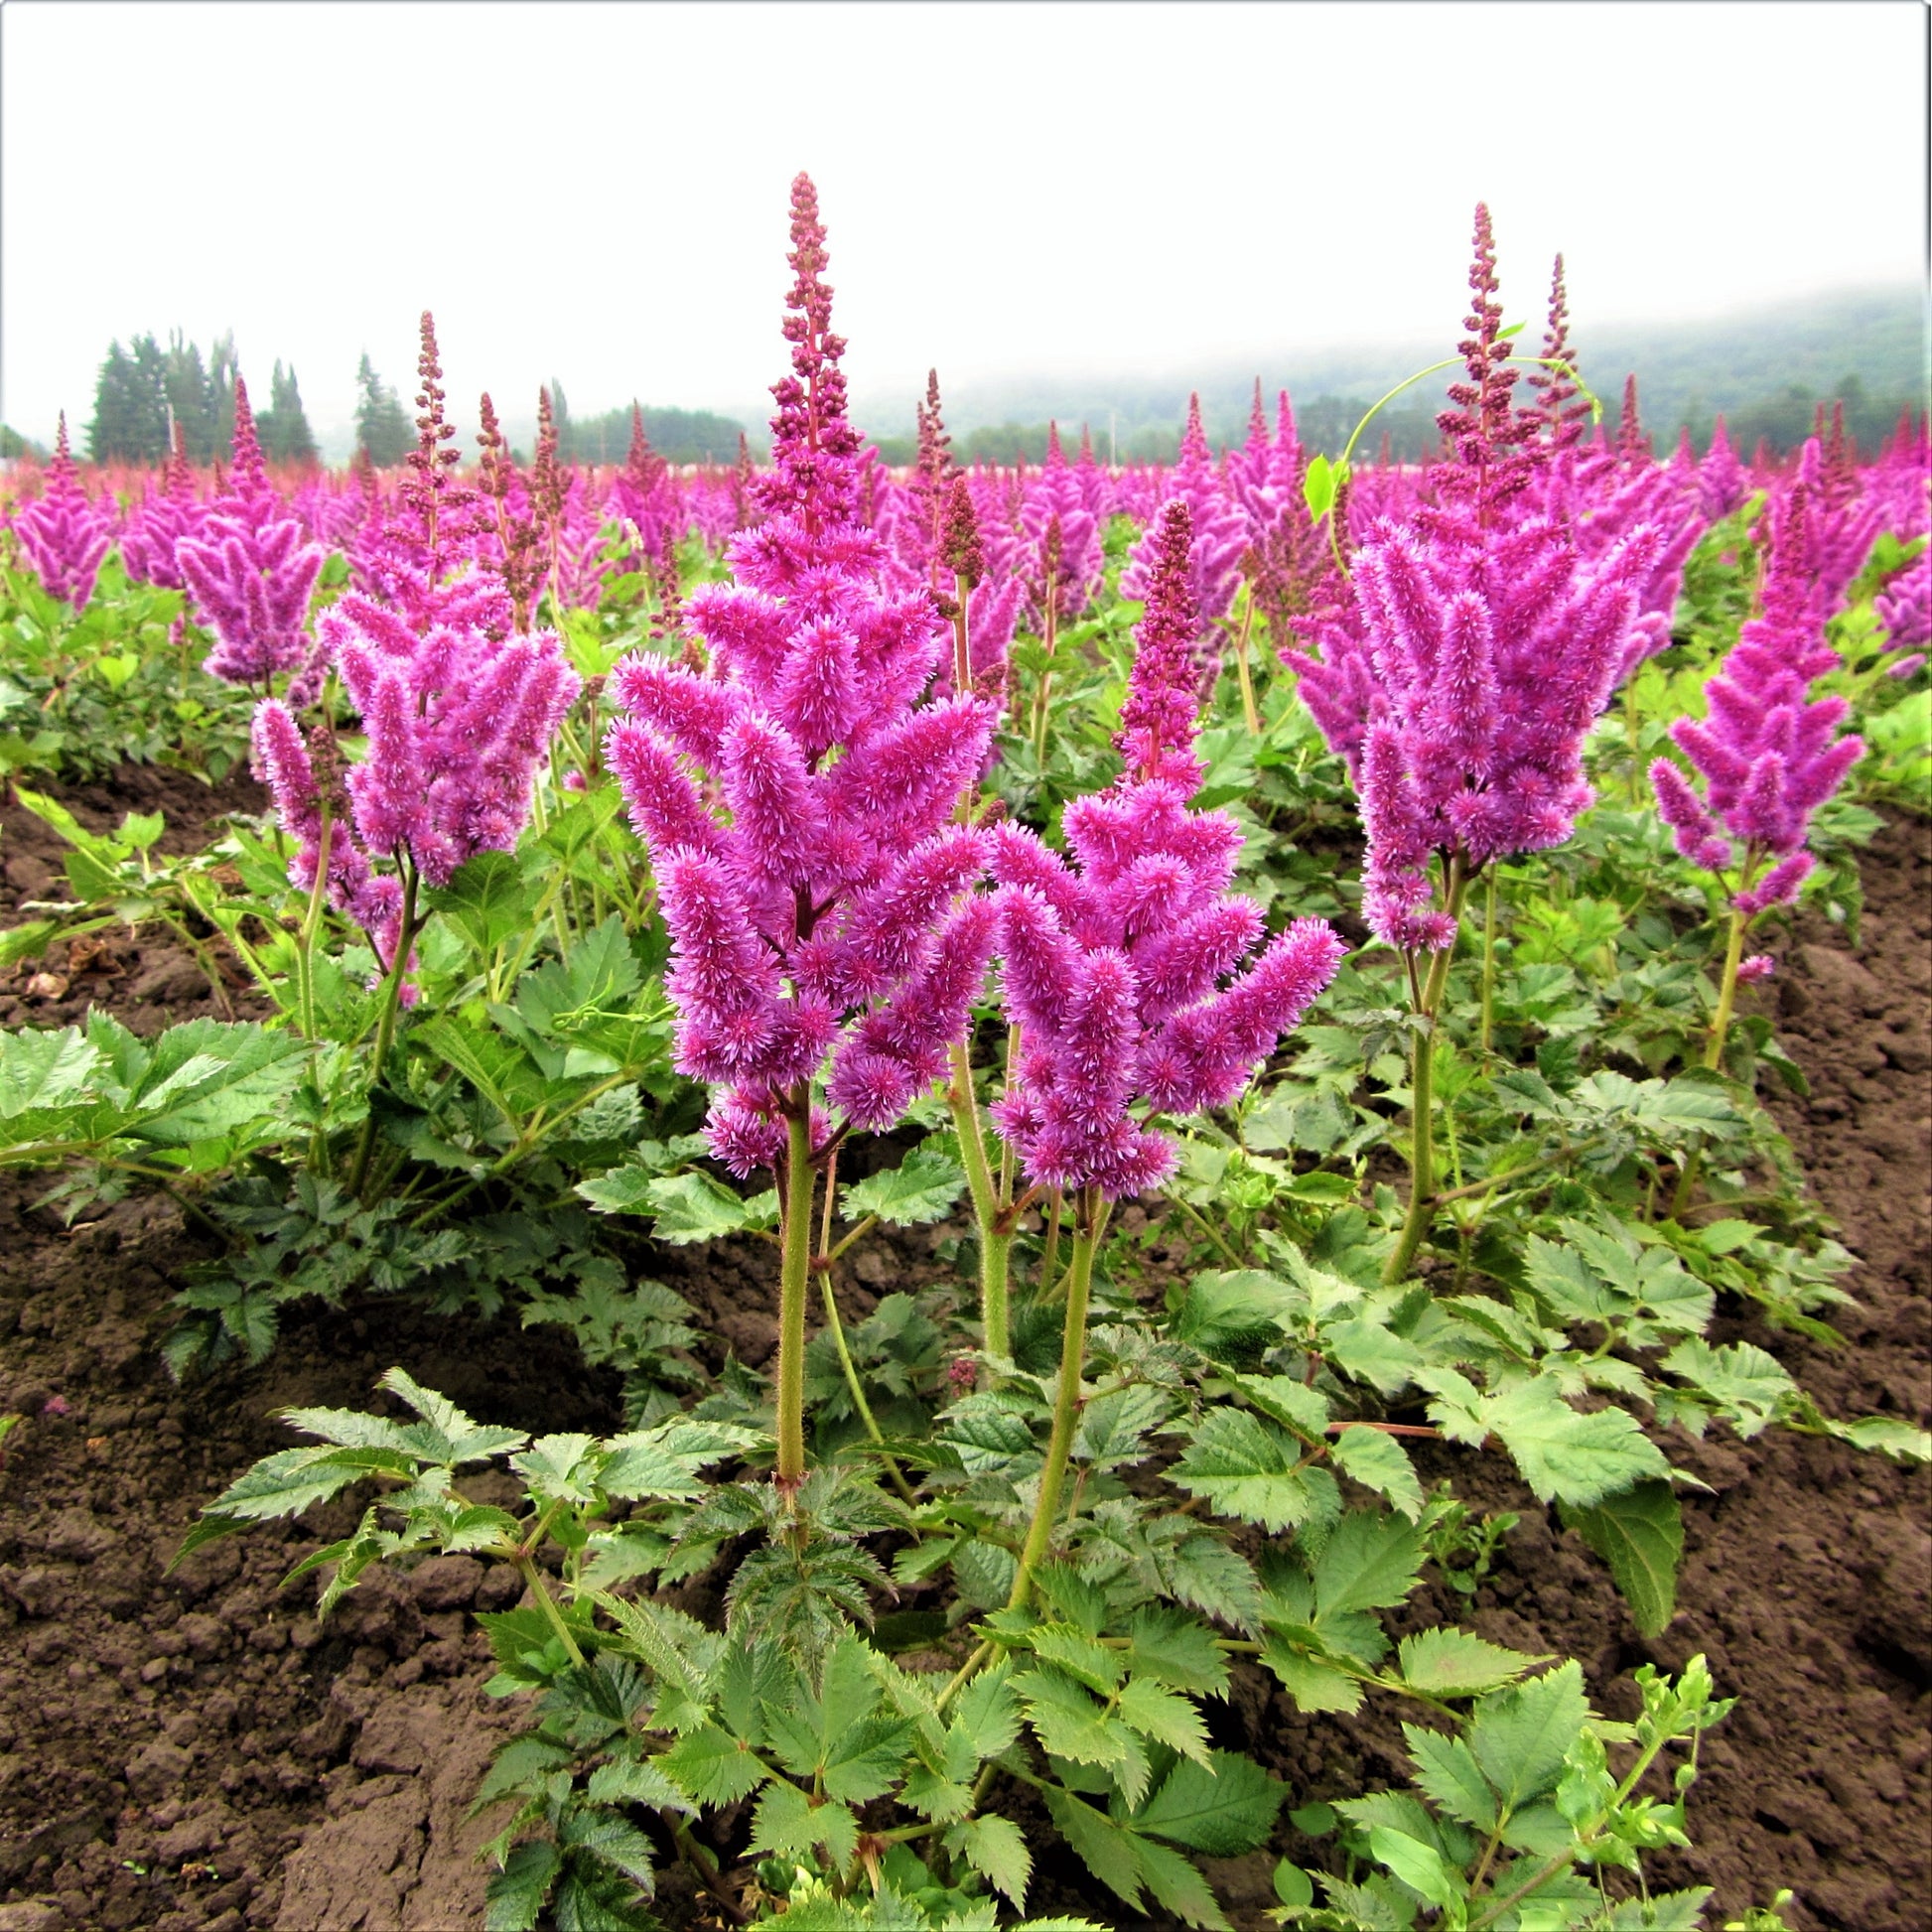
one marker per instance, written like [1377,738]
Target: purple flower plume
[64,535]
[797,794]
[1220,533]
[175,511]
[248,571]
[1129,968]
[1473,647]
[1766,751]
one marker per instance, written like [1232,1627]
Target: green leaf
[515,1895]
[1369,1563]
[1565,1455]
[712,1766]
[1231,1310]
[1639,1533]
[1378,1461]
[696,1207]
[1168,1646]
[1748,1384]
[1102,1847]
[1446,1773]
[1245,1466]
[1222,1808]
[1320,483]
[488,900]
[1163,1716]
[1179,1886]
[924,1187]
[1300,1410]
[1417,1864]
[996,1848]
[1079,1655]
[1314,1685]
[1070,1724]
[1521,1736]
[1444,1661]
[785,1822]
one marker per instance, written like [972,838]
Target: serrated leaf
[1446,1773]
[1745,1382]
[1369,1563]
[636,1781]
[1314,1685]
[712,1766]
[696,1207]
[996,1848]
[1247,1467]
[1444,1661]
[1639,1533]
[1300,1410]
[1175,1883]
[1163,1716]
[1565,1455]
[1418,1866]
[1378,1461]
[487,900]
[1101,1846]
[1521,1736]
[924,1187]
[1082,1657]
[1172,1648]
[1222,1808]
[514,1897]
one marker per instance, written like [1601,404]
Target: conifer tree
[283,427]
[130,422]
[382,427]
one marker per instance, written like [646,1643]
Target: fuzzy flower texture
[248,570]
[1476,648]
[1115,959]
[795,794]
[1766,751]
[64,535]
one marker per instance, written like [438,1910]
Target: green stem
[996,1246]
[793,1273]
[852,1386]
[1249,709]
[1045,682]
[385,1030]
[527,1568]
[1049,1252]
[1428,998]
[1489,959]
[1713,1047]
[1088,1224]
[305,938]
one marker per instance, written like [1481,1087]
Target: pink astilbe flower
[1129,968]
[796,795]
[1905,606]
[64,535]
[1062,554]
[248,571]
[457,723]
[1220,533]
[1766,751]
[163,519]
[1476,648]
[1723,483]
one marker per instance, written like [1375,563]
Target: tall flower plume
[1129,969]
[163,519]
[248,571]
[1476,648]
[64,535]
[797,794]
[1767,751]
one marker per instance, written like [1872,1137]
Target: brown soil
[194,1753]
[145,977]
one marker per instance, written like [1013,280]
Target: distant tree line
[142,387]
[676,435]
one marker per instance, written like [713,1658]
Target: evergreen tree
[382,430]
[130,422]
[283,427]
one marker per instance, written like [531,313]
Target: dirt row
[191,1751]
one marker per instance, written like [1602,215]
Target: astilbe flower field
[1116,1082]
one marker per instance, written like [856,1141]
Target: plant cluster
[810,858]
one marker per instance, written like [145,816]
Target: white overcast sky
[598,192]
